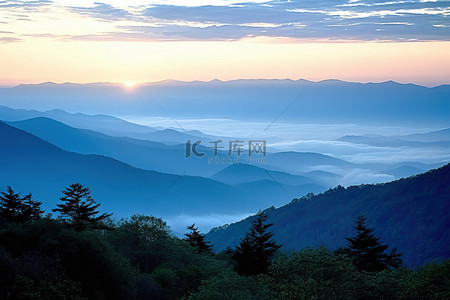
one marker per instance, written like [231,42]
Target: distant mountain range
[144,154]
[102,123]
[147,166]
[329,101]
[411,214]
[158,156]
[243,173]
[164,149]
[30,164]
[434,139]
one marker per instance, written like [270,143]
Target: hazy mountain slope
[242,173]
[102,123]
[411,214]
[302,162]
[433,136]
[143,154]
[171,159]
[329,101]
[404,171]
[30,164]
[276,191]
[383,141]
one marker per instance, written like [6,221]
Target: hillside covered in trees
[80,253]
[411,214]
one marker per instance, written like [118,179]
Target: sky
[151,40]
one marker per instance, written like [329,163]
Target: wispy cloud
[204,222]
[9,40]
[234,20]
[24,4]
[103,11]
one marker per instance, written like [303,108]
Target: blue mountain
[31,164]
[244,173]
[411,214]
[305,161]
[142,154]
[103,123]
[329,101]
[431,140]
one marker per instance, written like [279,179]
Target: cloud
[24,4]
[9,40]
[229,20]
[103,11]
[203,222]
[359,176]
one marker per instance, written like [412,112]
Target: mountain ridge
[390,103]
[120,84]
[409,214]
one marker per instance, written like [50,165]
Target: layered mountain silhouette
[370,103]
[242,173]
[144,154]
[104,124]
[425,140]
[30,164]
[159,156]
[411,214]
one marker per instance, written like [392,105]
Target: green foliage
[148,228]
[14,208]
[140,259]
[322,274]
[55,288]
[45,257]
[310,274]
[432,281]
[227,286]
[172,265]
[79,210]
[411,214]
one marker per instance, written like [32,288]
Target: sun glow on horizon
[129,84]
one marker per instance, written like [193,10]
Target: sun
[129,83]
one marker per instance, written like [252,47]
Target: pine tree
[14,208]
[254,252]
[366,250]
[244,257]
[197,240]
[394,259]
[79,210]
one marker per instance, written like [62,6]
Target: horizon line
[139,84]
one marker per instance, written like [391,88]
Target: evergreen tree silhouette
[197,240]
[244,257]
[394,259]
[79,210]
[254,252]
[14,208]
[366,250]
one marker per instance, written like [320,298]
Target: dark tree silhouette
[254,252]
[394,259]
[14,208]
[244,256]
[197,240]
[79,210]
[366,250]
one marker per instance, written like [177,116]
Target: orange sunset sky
[146,41]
